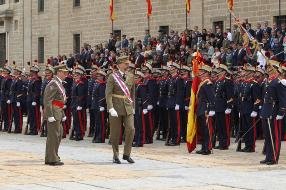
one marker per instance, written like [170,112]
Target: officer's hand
[79,108]
[34,103]
[64,119]
[8,102]
[211,113]
[101,108]
[227,111]
[158,103]
[279,117]
[149,107]
[18,104]
[145,111]
[177,107]
[113,112]
[51,119]
[133,111]
[253,114]
[65,107]
[283,82]
[187,108]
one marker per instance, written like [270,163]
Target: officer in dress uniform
[273,111]
[33,100]
[99,107]
[49,71]
[174,102]
[77,104]
[68,83]
[6,105]
[205,109]
[16,97]
[162,104]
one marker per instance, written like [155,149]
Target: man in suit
[54,101]
[120,96]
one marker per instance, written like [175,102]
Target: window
[41,49]
[1,23]
[280,20]
[41,5]
[218,25]
[76,3]
[2,2]
[16,23]
[2,49]
[164,30]
[76,43]
[117,34]
[16,1]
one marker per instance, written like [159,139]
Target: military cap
[205,68]
[79,69]
[8,69]
[156,70]
[186,68]
[94,67]
[35,68]
[224,67]
[1,69]
[122,59]
[50,68]
[15,68]
[164,68]
[101,72]
[139,73]
[173,64]
[146,67]
[250,68]
[62,67]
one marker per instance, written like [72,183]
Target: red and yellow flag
[111,9]
[149,7]
[188,6]
[230,4]
[192,117]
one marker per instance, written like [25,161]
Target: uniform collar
[61,81]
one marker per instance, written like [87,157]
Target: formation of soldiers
[247,103]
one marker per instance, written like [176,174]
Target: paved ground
[88,166]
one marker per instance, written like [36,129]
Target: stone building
[38,29]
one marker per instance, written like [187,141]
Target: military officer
[54,101]
[68,83]
[120,96]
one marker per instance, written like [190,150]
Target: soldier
[16,97]
[54,101]
[273,111]
[205,109]
[48,77]
[6,105]
[99,107]
[68,83]
[77,104]
[120,96]
[174,102]
[33,100]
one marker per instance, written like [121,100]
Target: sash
[123,86]
[61,89]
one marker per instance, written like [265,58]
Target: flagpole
[148,22]
[112,26]
[186,16]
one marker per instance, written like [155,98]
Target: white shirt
[261,59]
[229,36]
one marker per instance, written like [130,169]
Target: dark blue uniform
[6,107]
[68,113]
[91,83]
[184,111]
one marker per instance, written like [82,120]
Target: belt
[58,103]
[119,96]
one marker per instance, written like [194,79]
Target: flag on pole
[149,7]
[188,6]
[230,4]
[111,9]
[192,117]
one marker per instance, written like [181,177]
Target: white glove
[283,82]
[260,107]
[211,113]
[51,119]
[133,111]
[158,103]
[34,103]
[113,112]
[18,104]
[145,111]
[177,107]
[8,101]
[64,119]
[79,108]
[187,108]
[101,108]
[253,114]
[149,107]
[227,111]
[65,106]
[279,117]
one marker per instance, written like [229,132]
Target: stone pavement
[88,166]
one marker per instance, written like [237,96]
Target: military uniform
[91,83]
[67,108]
[44,122]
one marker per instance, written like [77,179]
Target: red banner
[188,6]
[111,9]
[149,7]
[230,4]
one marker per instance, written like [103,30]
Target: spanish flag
[188,6]
[111,9]
[230,4]
[192,117]
[149,7]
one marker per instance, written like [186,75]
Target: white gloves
[279,117]
[187,108]
[18,104]
[177,107]
[101,109]
[283,82]
[260,107]
[158,103]
[51,119]
[8,101]
[79,108]
[65,106]
[145,111]
[227,111]
[149,107]
[253,114]
[34,103]
[211,113]
[113,112]
[64,119]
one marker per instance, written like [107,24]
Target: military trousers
[17,117]
[100,126]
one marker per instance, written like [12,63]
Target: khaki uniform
[116,99]
[54,98]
